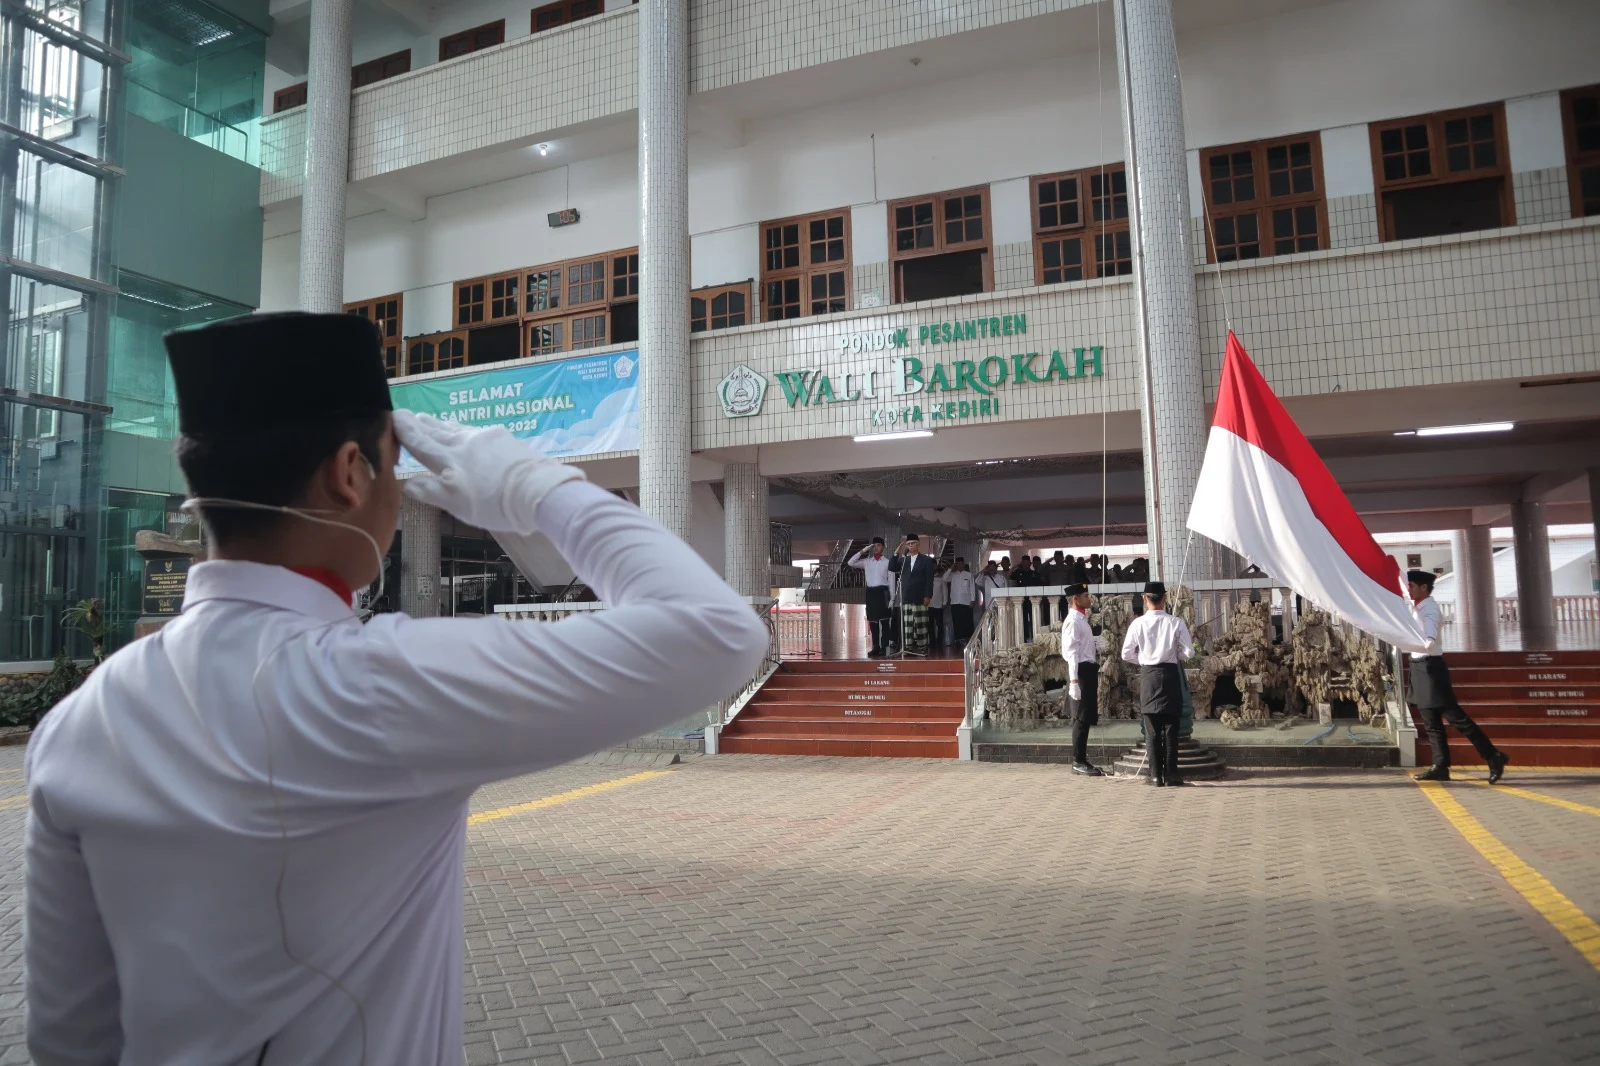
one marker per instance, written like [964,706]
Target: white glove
[485,477]
[1075,690]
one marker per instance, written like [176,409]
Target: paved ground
[750,909]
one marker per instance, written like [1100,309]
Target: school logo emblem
[741,392]
[624,367]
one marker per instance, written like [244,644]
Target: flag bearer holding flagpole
[1156,641]
[1083,676]
[1433,695]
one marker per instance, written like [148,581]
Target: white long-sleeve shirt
[877,569]
[156,843]
[1428,616]
[962,589]
[987,583]
[1077,642]
[1157,637]
[941,593]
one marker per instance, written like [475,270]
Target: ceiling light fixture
[907,435]
[544,149]
[1453,431]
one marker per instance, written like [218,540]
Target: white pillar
[1166,314]
[327,157]
[664,369]
[1594,501]
[1536,611]
[419,559]
[747,562]
[1475,599]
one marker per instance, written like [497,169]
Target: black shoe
[875,653]
[1177,782]
[1497,766]
[1438,773]
[1087,769]
[1156,782]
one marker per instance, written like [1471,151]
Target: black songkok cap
[1420,577]
[1077,589]
[259,372]
[1155,588]
[913,536]
[877,540]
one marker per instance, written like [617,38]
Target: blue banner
[586,405]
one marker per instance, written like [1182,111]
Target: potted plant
[88,617]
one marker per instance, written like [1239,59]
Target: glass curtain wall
[198,72]
[60,93]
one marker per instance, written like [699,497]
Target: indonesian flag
[1265,493]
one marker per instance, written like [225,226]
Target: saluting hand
[485,477]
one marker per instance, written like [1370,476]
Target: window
[474,40]
[543,290]
[385,313]
[586,282]
[1448,172]
[937,228]
[805,265]
[503,302]
[588,331]
[625,275]
[546,338]
[552,15]
[438,351]
[719,307]
[293,96]
[1080,225]
[469,303]
[377,70]
[1580,115]
[1264,198]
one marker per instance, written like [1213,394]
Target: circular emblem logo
[741,392]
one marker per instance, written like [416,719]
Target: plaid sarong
[916,621]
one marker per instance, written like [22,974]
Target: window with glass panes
[436,351]
[542,290]
[1580,115]
[587,331]
[1448,172]
[469,302]
[719,307]
[293,96]
[377,70]
[550,16]
[384,312]
[1264,198]
[939,225]
[504,304]
[586,281]
[805,265]
[473,40]
[1080,225]
[624,275]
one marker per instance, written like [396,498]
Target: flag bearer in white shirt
[246,831]
[1433,695]
[880,593]
[1156,641]
[1083,676]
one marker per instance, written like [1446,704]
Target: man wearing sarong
[916,592]
[1156,641]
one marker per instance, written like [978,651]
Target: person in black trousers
[1158,642]
[1083,677]
[1433,695]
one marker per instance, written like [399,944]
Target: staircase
[1540,708]
[906,708]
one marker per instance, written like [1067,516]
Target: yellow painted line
[1582,931]
[13,801]
[1553,801]
[562,797]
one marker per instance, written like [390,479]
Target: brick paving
[768,909]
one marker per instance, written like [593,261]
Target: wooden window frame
[435,339]
[711,292]
[1439,173]
[1085,230]
[806,268]
[603,281]
[622,265]
[1577,161]
[297,91]
[391,327]
[1264,204]
[494,292]
[940,245]
[480,300]
[378,65]
[470,36]
[567,19]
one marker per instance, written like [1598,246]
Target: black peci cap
[1076,589]
[259,372]
[1155,588]
[913,536]
[877,540]
[1420,577]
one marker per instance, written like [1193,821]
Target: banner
[586,405]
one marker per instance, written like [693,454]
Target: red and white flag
[1265,493]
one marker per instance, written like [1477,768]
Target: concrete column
[747,533]
[327,157]
[1535,604]
[1166,313]
[419,559]
[664,369]
[1475,606]
[1594,500]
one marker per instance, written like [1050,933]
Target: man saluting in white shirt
[880,591]
[246,831]
[1156,641]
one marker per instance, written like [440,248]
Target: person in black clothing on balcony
[1023,575]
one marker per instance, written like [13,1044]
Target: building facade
[922,218]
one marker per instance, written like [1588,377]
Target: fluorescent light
[907,435]
[1475,427]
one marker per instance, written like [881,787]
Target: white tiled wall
[1013,266]
[1541,195]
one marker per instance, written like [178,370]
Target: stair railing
[728,708]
